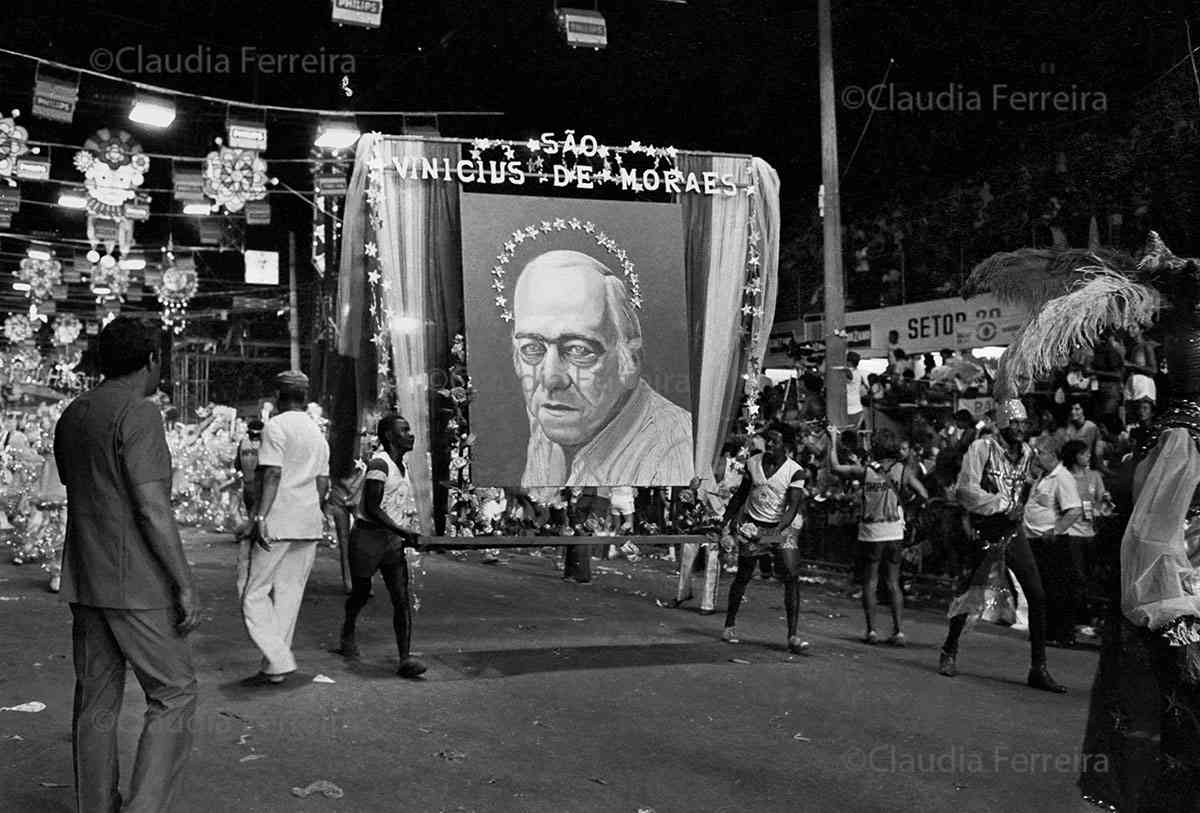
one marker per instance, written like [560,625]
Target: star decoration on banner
[754,260]
[371,250]
[533,145]
[373,277]
[498,284]
[751,190]
[635,146]
[575,223]
[509,152]
[602,151]
[547,226]
[510,246]
[476,155]
[758,311]
[747,309]
[559,223]
[519,236]
[380,339]
[501,301]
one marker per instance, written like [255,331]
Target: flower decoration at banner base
[179,285]
[42,276]
[13,144]
[113,166]
[18,328]
[233,176]
[67,329]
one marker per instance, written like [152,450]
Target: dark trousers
[340,515]
[1062,585]
[577,563]
[1083,563]
[1021,562]
[395,577]
[104,641]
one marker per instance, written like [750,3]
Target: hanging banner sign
[925,327]
[55,99]
[976,406]
[367,13]
[262,267]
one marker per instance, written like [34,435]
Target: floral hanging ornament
[67,329]
[18,328]
[41,276]
[179,285]
[109,280]
[232,177]
[13,144]
[113,166]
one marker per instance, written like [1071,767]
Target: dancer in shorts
[761,513]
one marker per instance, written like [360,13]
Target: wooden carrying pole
[835,305]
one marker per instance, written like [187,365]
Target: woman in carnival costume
[1142,745]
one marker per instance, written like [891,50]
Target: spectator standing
[1053,507]
[273,567]
[881,529]
[1080,428]
[1141,366]
[131,591]
[1108,367]
[1095,502]
[856,388]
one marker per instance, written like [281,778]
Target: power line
[248,105]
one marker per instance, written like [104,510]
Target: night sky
[721,75]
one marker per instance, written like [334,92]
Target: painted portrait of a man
[577,351]
[577,342]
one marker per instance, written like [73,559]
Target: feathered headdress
[1077,295]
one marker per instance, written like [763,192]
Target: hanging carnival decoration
[13,144]
[18,328]
[42,277]
[109,280]
[178,286]
[232,177]
[67,329]
[113,166]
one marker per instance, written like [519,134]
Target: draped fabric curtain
[715,240]
[766,182]
[354,386]
[420,262]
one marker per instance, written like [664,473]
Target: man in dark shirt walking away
[125,575]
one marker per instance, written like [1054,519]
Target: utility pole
[835,304]
[293,304]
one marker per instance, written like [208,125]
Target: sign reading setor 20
[935,325]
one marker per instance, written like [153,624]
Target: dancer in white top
[385,524]
[761,513]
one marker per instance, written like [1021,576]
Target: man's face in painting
[565,347]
